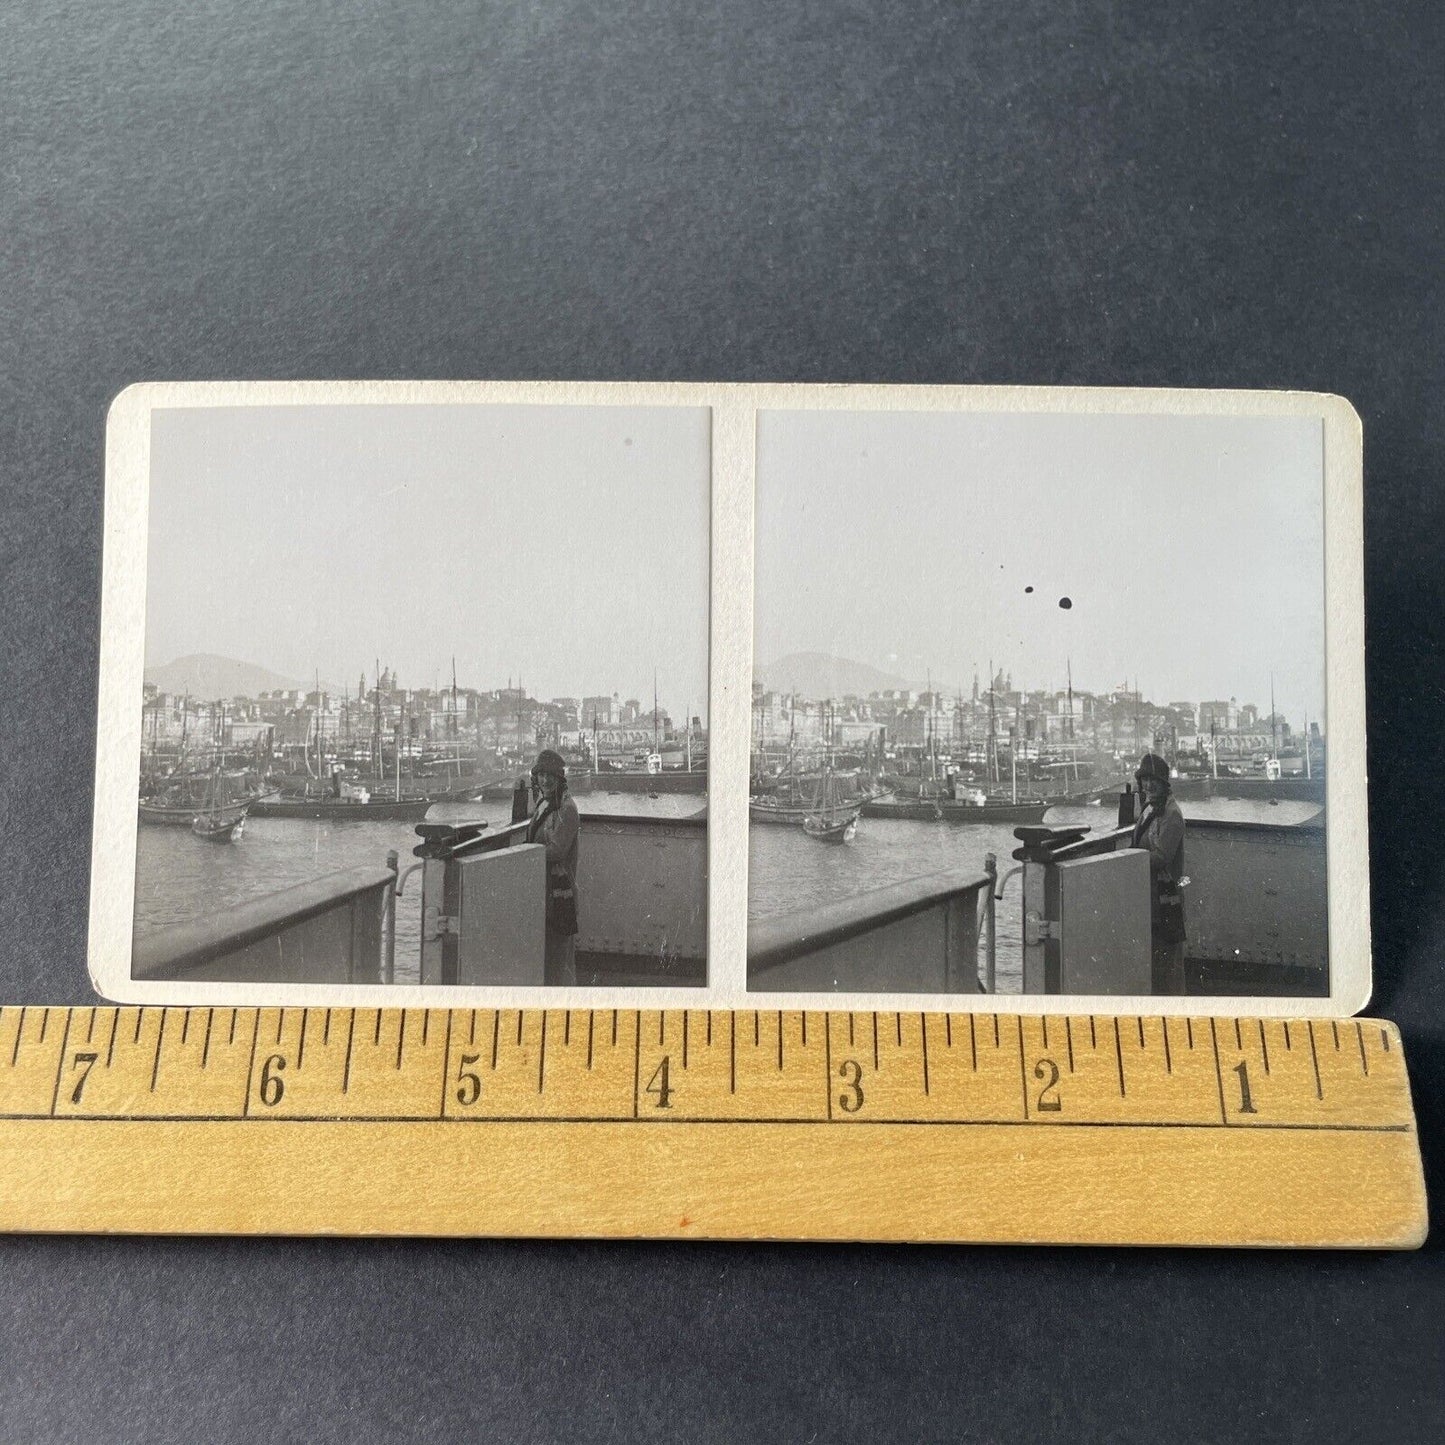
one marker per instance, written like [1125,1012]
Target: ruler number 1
[1246,1100]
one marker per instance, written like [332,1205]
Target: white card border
[734,408]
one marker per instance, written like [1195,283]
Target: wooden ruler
[698,1124]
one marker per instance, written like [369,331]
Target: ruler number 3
[851,1072]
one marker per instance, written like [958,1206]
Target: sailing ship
[220,820]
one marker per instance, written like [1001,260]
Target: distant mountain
[819,675]
[207,676]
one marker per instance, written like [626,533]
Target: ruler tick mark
[60,1063]
[1238,1039]
[519,1028]
[828,1062]
[90,1027]
[1069,1039]
[185,1025]
[1168,1057]
[1385,1040]
[757,1031]
[591,1022]
[780,1040]
[1093,1041]
[875,1043]
[1045,1021]
[732,1053]
[709,1028]
[401,1035]
[376,1035]
[231,1037]
[566,1027]
[110,1047]
[972,1045]
[898,1027]
[301,1042]
[280,1023]
[1288,1046]
[684,1038]
[1264,1045]
[995,1031]
[1119,1058]
[350,1034]
[1189,1031]
[923,1028]
[805,1028]
[425,1024]
[446,1064]
[542,1055]
[44,1021]
[19,1029]
[471,1026]
[614,1028]
[1218,1071]
[948,1031]
[251,1062]
[206,1043]
[661,1027]
[1315,1060]
[135,1037]
[1335,1030]
[636,1060]
[1023,1068]
[326,1029]
[850,1028]
[497,1033]
[1140,1022]
[1364,1062]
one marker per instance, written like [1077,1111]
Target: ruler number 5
[469,1085]
[1048,1070]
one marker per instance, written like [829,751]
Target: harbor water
[787,870]
[180,878]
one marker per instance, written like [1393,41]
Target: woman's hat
[1152,768]
[549,762]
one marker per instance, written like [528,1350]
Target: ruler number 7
[88,1059]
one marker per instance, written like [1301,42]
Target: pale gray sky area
[1191,548]
[565,545]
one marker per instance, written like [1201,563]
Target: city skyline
[521,539]
[1186,552]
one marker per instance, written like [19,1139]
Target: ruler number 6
[1048,1070]
[273,1086]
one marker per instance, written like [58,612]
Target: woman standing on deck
[1160,829]
[555,825]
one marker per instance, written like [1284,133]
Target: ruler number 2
[1047,1070]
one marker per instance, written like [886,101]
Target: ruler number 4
[659,1086]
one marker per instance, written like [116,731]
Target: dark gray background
[1229,194]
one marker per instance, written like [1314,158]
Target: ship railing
[918,936]
[340,928]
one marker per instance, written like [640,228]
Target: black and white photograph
[425,696]
[1040,705]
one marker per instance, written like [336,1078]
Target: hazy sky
[1192,549]
[567,545]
